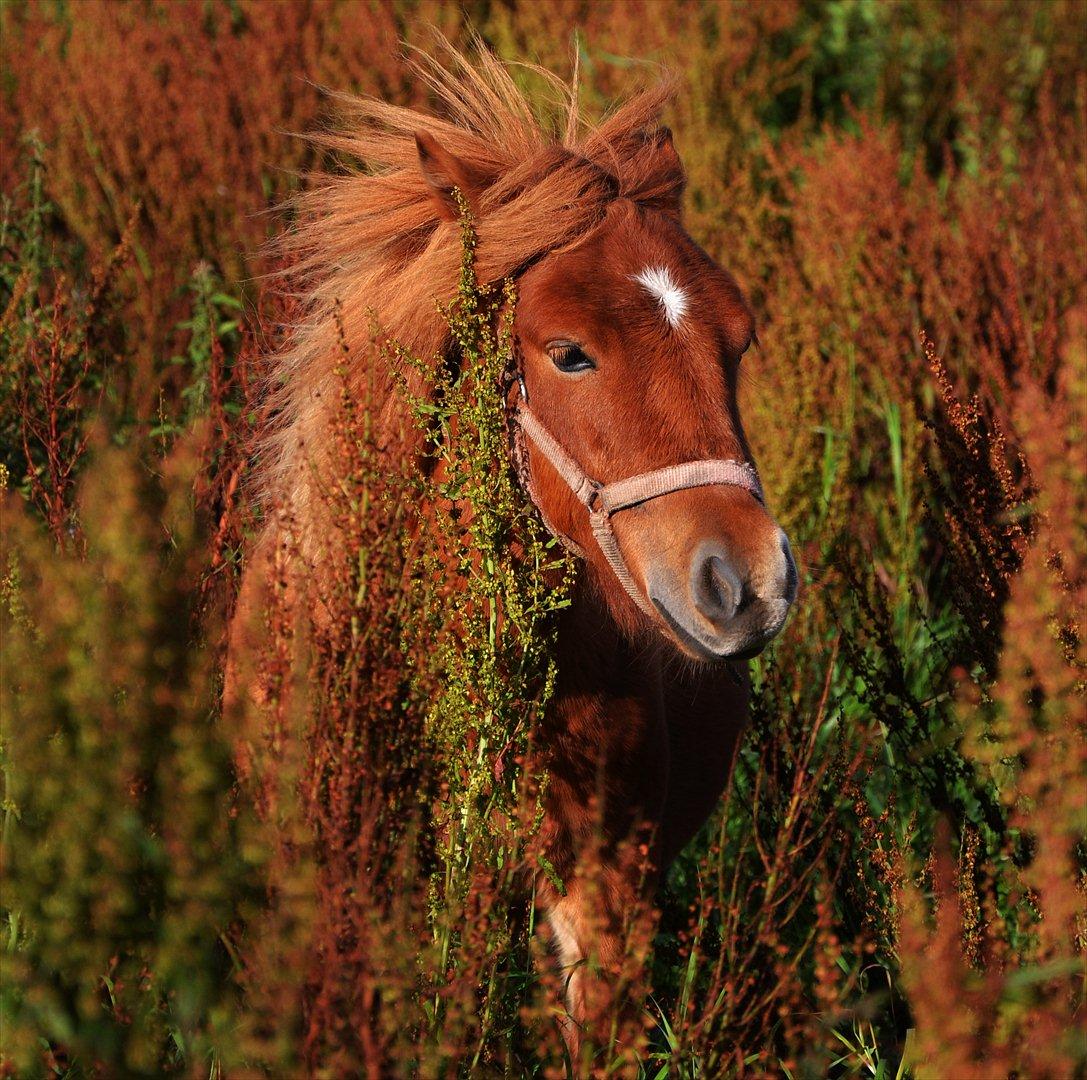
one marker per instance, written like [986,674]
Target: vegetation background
[895,883]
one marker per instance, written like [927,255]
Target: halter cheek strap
[603,500]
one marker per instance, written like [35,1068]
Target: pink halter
[603,500]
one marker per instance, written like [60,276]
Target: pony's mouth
[742,639]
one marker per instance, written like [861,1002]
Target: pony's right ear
[665,180]
[443,172]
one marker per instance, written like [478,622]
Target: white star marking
[658,281]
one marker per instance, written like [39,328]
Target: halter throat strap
[603,500]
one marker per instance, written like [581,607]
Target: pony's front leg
[600,931]
[605,748]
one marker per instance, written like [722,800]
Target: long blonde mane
[372,246]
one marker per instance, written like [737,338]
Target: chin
[708,645]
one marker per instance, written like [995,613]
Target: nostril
[717,587]
[717,590]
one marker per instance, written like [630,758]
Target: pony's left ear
[443,172]
[664,179]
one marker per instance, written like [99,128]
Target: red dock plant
[351,877]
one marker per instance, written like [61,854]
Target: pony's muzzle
[732,603]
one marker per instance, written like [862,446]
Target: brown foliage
[907,214]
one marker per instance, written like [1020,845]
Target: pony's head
[629,337]
[629,343]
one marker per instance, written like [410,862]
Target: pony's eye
[568,357]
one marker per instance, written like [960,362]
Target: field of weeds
[335,886]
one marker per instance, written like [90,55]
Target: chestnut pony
[629,340]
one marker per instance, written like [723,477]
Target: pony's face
[631,344]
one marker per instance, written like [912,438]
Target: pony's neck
[592,641]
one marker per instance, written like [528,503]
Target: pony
[629,340]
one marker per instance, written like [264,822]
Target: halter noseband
[603,500]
